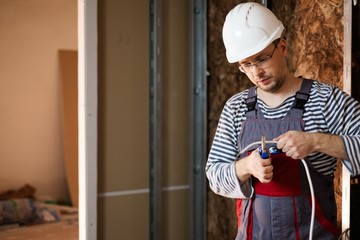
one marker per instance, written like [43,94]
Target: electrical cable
[345,235]
[312,199]
[308,177]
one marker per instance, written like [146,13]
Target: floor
[66,229]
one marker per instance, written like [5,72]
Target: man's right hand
[254,165]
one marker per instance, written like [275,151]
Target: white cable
[309,180]
[312,199]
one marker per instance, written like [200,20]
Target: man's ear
[283,46]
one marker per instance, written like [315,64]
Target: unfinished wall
[124,120]
[32,32]
[123,128]
[315,41]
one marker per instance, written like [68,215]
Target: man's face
[267,69]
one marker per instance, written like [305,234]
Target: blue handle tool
[262,150]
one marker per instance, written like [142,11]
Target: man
[304,119]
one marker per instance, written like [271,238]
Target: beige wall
[123,119]
[32,32]
[124,132]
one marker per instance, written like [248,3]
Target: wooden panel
[69,100]
[315,37]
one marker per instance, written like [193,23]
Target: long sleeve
[220,167]
[342,114]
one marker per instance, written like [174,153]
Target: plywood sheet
[69,100]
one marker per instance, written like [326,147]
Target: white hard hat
[248,29]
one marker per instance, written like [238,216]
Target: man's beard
[274,86]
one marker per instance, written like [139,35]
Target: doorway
[33,33]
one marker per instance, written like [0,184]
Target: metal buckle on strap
[250,103]
[301,99]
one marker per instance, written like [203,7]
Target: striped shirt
[328,110]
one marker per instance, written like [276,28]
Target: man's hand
[298,145]
[254,165]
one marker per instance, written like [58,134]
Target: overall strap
[251,103]
[296,111]
[301,98]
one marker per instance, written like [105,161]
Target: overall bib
[281,209]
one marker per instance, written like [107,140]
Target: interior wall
[31,150]
[176,95]
[315,41]
[124,120]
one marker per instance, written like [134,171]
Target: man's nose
[256,70]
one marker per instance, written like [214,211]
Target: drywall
[124,120]
[123,126]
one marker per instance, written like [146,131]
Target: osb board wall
[314,32]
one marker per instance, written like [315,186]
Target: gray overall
[281,209]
